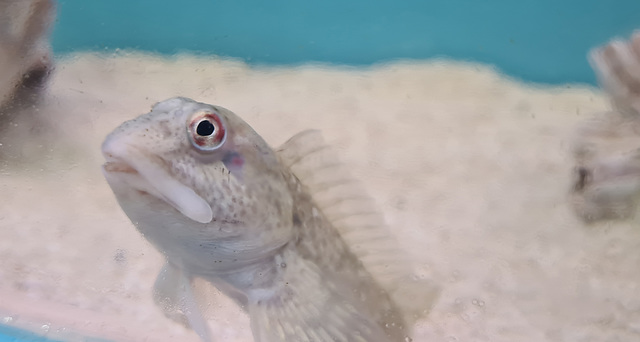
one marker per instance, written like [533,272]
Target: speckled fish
[285,233]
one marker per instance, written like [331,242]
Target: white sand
[471,170]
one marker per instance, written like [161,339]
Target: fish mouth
[119,174]
[117,166]
[127,168]
[113,163]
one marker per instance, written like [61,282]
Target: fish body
[210,194]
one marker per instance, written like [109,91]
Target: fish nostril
[583,177]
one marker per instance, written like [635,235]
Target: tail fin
[313,306]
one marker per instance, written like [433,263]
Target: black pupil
[205,128]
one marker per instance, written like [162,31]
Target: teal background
[536,40]
[10,334]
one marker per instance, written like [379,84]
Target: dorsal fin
[617,67]
[344,201]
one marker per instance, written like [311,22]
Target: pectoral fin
[173,293]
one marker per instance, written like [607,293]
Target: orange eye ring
[207,131]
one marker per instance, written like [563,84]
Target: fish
[286,233]
[26,58]
[606,149]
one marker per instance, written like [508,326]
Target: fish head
[606,176]
[197,181]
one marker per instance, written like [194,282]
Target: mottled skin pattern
[268,246]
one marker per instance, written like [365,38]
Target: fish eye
[205,128]
[206,131]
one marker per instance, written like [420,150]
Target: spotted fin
[349,208]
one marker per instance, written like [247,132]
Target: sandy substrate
[470,169]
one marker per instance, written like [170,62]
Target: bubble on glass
[477,302]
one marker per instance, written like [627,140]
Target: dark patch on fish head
[583,178]
[296,220]
[278,207]
[234,162]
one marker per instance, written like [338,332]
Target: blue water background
[535,40]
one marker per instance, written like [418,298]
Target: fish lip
[118,170]
[114,163]
[118,166]
[127,167]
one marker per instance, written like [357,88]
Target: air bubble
[477,302]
